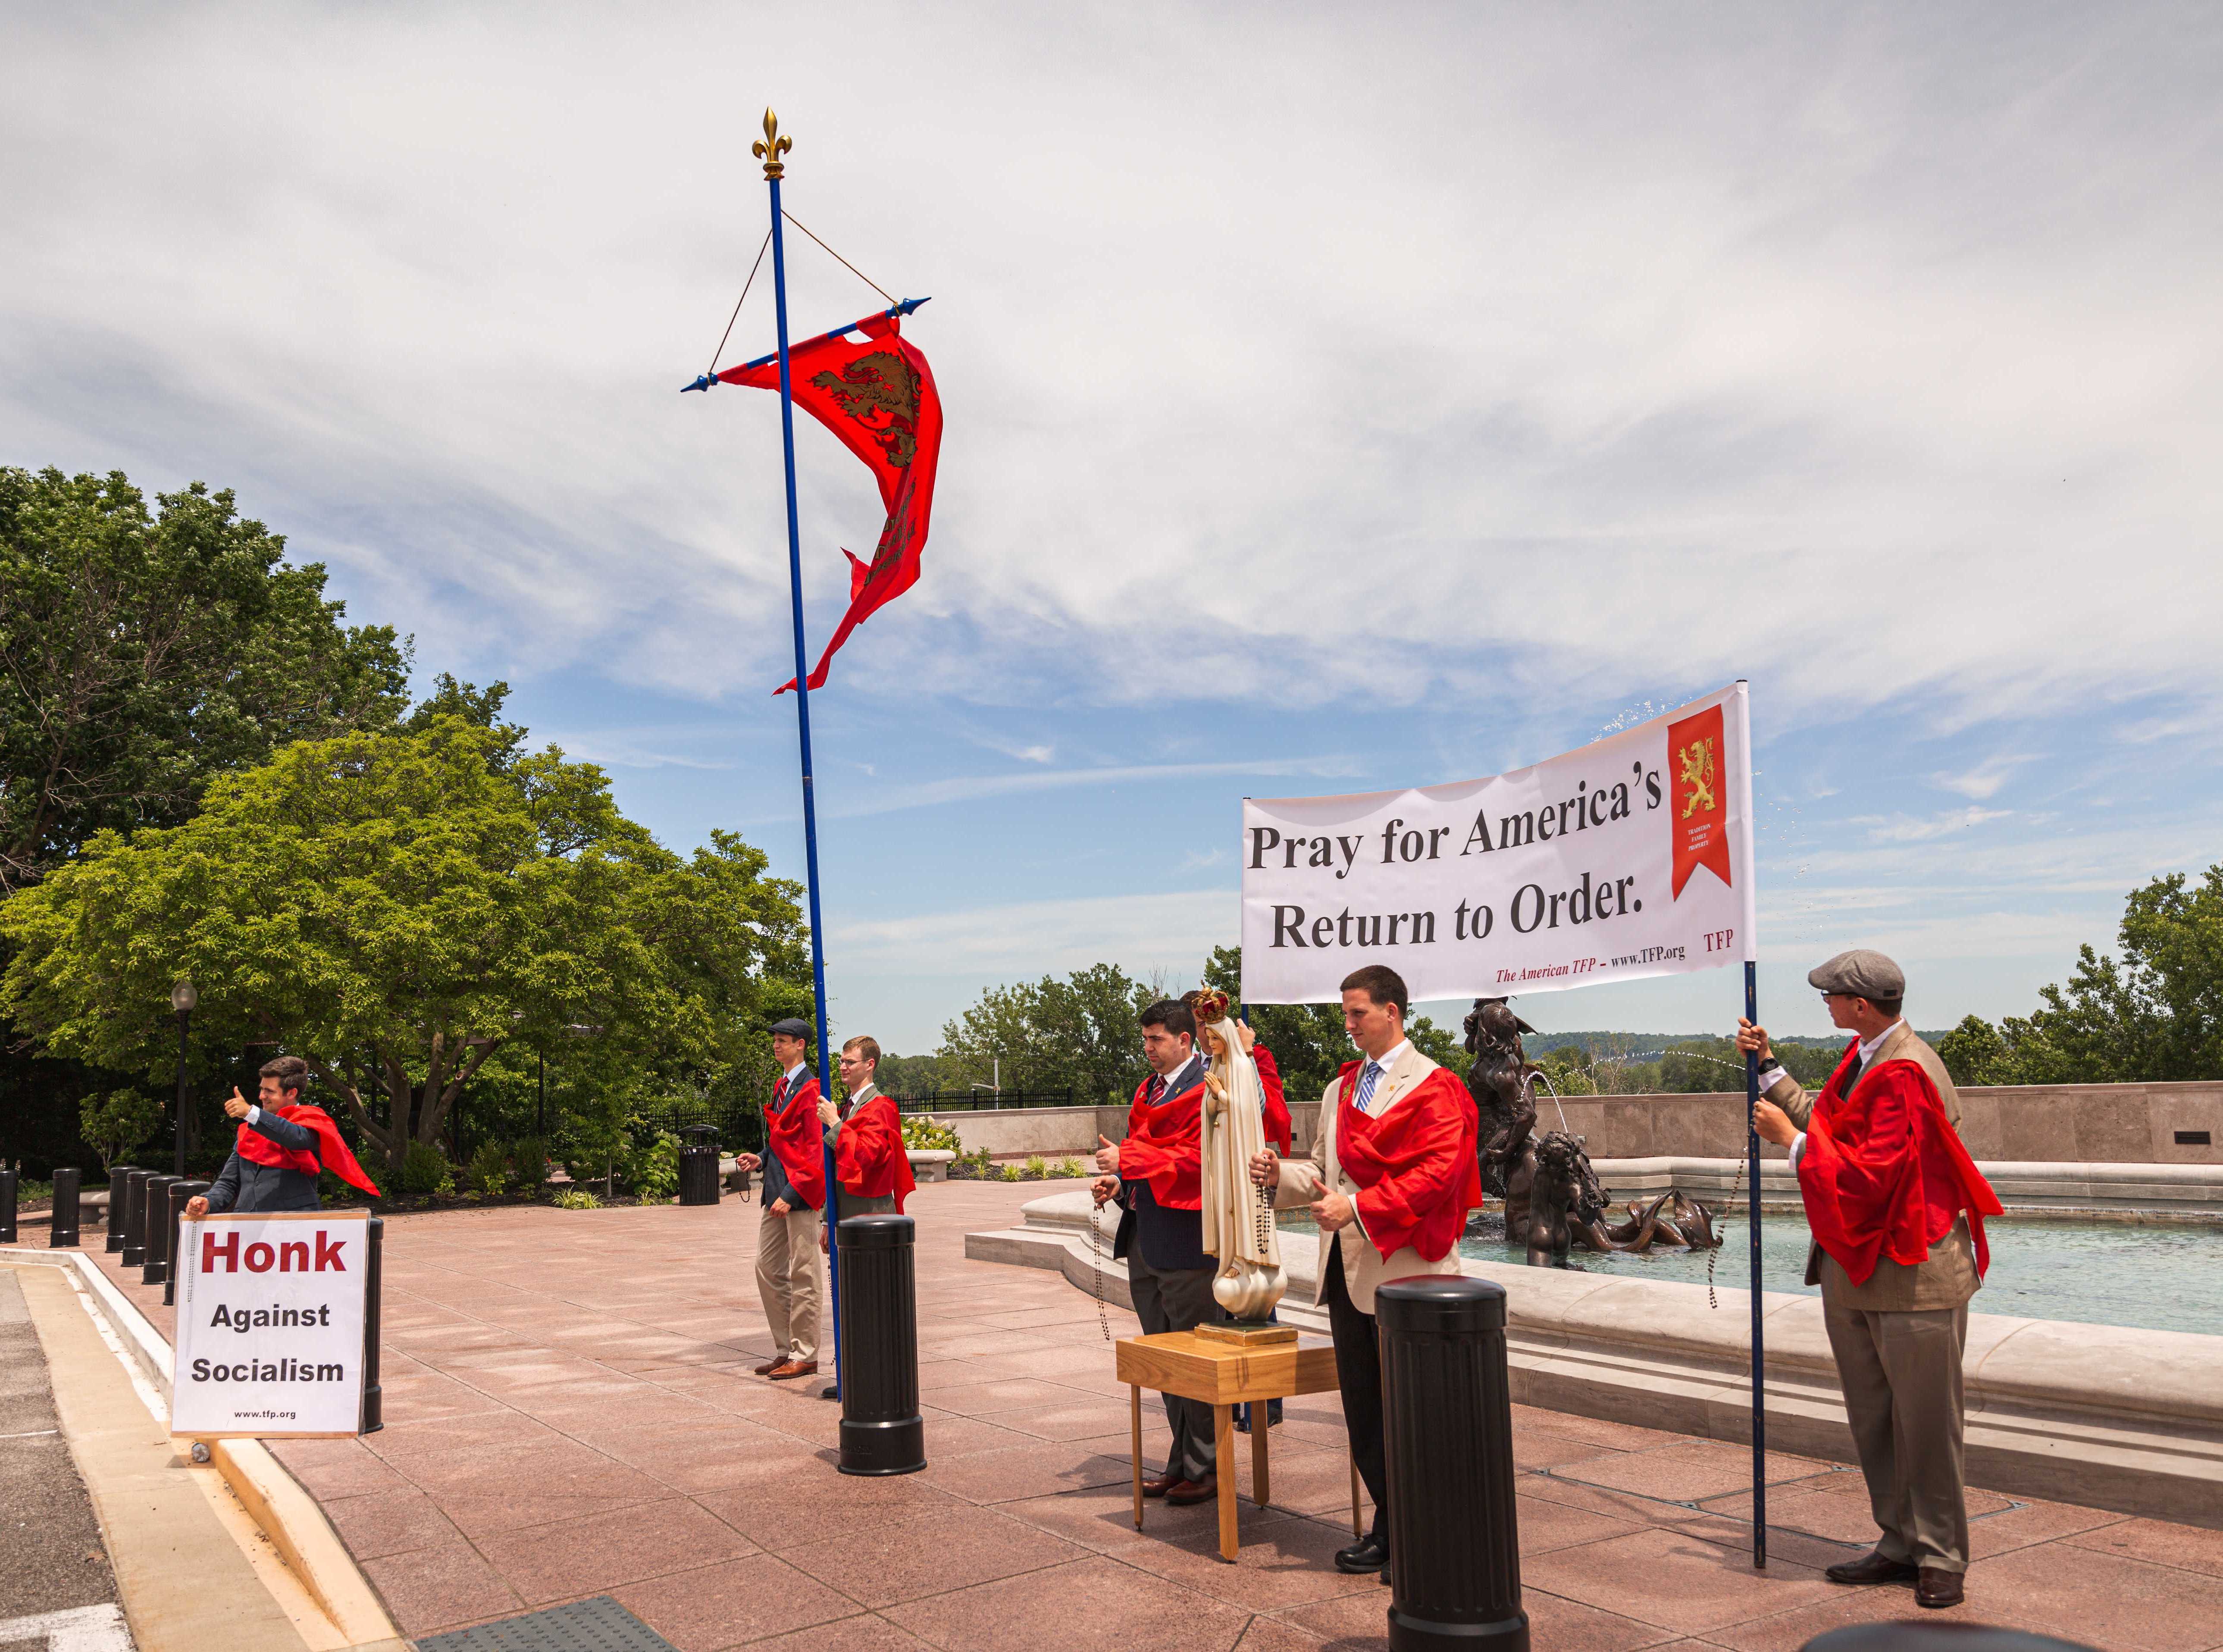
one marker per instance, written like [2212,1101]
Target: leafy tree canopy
[398,907]
[1077,1034]
[143,653]
[2152,1015]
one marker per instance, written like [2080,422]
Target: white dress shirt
[1868,1053]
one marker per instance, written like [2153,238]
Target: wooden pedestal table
[1223,1375]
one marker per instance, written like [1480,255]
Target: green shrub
[116,1124]
[1012,1173]
[578,1198]
[1069,1169]
[488,1171]
[973,1167]
[1037,1170]
[653,1172]
[926,1134]
[423,1172]
[528,1160]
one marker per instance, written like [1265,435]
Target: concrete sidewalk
[569,1413]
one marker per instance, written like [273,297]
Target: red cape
[1415,1164]
[1165,1146]
[796,1138]
[332,1153]
[1884,1174]
[869,1159]
[1277,1104]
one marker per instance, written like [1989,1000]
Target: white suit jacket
[1362,1266]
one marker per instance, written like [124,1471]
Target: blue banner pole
[772,150]
[1758,1358]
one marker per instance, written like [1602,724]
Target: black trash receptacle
[698,1165]
[1447,1424]
[156,1267]
[134,1253]
[882,1432]
[181,1194]
[118,1189]
[8,1179]
[64,1236]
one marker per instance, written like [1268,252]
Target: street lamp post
[183,997]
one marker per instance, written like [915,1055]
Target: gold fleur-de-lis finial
[770,147]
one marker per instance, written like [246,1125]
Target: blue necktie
[1366,1076]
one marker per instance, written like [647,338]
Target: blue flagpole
[1759,1362]
[771,150]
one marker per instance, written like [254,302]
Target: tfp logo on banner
[270,1313]
[1632,857]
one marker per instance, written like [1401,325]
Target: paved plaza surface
[569,1413]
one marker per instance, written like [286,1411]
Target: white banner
[1632,857]
[270,1311]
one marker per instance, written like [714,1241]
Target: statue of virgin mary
[1239,1220]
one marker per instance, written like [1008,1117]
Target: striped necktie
[1367,1076]
[1157,1092]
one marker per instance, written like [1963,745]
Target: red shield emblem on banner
[1698,798]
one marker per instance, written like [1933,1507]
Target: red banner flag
[1698,812]
[877,394]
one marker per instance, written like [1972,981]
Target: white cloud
[1044,936]
[957,788]
[1905,829]
[1983,782]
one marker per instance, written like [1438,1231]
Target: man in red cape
[870,1161]
[789,1279]
[282,1147]
[1898,1210]
[1157,1174]
[1390,1183]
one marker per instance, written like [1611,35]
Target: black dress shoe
[1937,1587]
[1369,1553]
[1875,1568]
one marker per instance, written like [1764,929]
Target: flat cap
[792,1027]
[1861,972]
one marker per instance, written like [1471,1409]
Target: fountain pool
[2160,1277]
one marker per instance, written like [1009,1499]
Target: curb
[289,1516]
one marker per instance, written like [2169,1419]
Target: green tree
[142,654]
[2154,1015]
[398,908]
[1077,1034]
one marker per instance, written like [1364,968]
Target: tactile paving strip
[596,1625]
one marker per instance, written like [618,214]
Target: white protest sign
[1631,856]
[270,1312]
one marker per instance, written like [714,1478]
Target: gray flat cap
[1861,973]
[796,1029]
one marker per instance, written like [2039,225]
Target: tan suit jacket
[1362,1266]
[1949,1277]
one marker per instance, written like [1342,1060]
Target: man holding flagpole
[1898,1210]
[789,1281]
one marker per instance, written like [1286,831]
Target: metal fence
[986,1101]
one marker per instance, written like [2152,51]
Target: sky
[1337,398]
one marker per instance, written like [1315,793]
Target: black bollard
[64,1235]
[1447,1422]
[118,1177]
[1950,1635]
[882,1432]
[155,1266]
[698,1165]
[134,1253]
[373,1402]
[8,1180]
[179,1193]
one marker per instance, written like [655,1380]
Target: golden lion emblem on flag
[1697,760]
[881,392]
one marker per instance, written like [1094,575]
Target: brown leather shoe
[1190,1491]
[771,1365]
[1938,1587]
[1159,1484]
[1874,1567]
[792,1369]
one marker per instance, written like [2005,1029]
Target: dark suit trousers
[1177,1299]
[1358,1373]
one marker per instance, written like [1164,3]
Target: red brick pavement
[569,1413]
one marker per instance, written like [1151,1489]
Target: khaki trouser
[1901,1374]
[789,1275]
